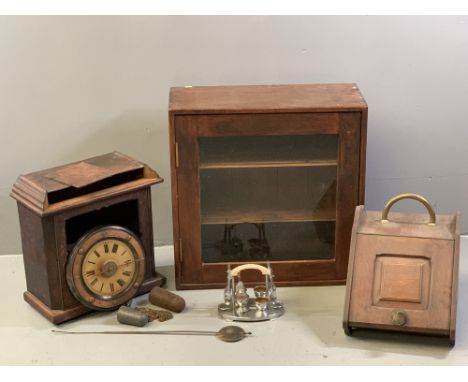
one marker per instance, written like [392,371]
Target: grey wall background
[75,87]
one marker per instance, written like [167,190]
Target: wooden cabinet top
[266,99]
[77,183]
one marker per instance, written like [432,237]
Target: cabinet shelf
[268,216]
[268,152]
[268,164]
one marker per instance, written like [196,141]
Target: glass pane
[268,198]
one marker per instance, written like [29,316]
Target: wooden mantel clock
[87,237]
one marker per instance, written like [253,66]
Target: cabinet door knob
[399,317]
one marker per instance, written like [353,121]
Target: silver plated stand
[238,306]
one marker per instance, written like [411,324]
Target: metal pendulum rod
[182,332]
[227,334]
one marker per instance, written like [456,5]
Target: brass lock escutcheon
[399,317]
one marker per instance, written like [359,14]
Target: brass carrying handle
[419,198]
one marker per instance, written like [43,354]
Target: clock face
[106,267]
[109,267]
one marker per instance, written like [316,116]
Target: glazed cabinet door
[257,188]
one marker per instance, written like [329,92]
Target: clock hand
[124,264]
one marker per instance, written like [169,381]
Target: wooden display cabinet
[266,174]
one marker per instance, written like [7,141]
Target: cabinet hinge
[177,155]
[181,254]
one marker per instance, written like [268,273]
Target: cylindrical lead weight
[130,316]
[167,300]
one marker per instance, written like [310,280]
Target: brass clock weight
[239,306]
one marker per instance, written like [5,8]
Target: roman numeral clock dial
[106,267]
